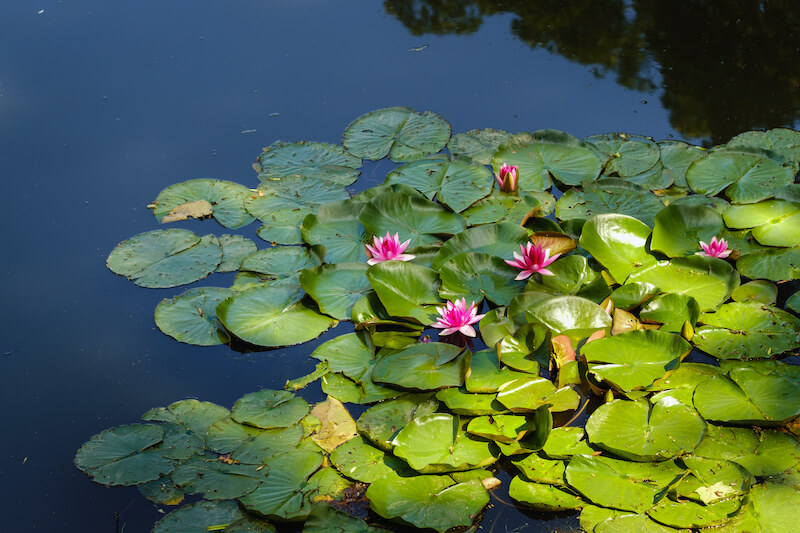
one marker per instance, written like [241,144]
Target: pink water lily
[533,259]
[716,248]
[388,248]
[507,178]
[457,317]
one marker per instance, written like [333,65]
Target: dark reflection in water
[723,67]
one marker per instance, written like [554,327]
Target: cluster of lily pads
[596,297]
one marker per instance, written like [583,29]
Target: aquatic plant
[670,444]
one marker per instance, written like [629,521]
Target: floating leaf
[629,155]
[745,177]
[325,519]
[124,455]
[679,229]
[767,509]
[456,184]
[618,243]
[780,141]
[405,289]
[774,222]
[380,423]
[435,502]
[234,249]
[642,432]
[561,156]
[280,261]
[399,132]
[292,193]
[272,316]
[632,294]
[762,453]
[317,161]
[423,366]
[191,317]
[543,497]
[672,311]
[741,330]
[475,275]
[221,199]
[609,195]
[676,156]
[200,516]
[573,316]
[757,291]
[635,359]
[502,207]
[500,240]
[777,265]
[336,288]
[572,275]
[478,145]
[269,409]
[165,258]
[216,480]
[336,226]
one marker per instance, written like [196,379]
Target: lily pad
[573,316]
[745,177]
[292,193]
[282,226]
[456,184]
[165,258]
[708,280]
[561,157]
[679,229]
[672,311]
[502,207]
[628,155]
[336,288]
[124,455]
[636,359]
[500,240]
[757,291]
[423,366]
[780,141]
[767,510]
[676,157]
[234,249]
[336,226]
[478,145]
[572,276]
[195,416]
[642,432]
[775,264]
[224,197]
[191,317]
[216,480]
[380,423]
[439,442]
[198,517]
[399,132]
[462,402]
[762,453]
[405,289]
[774,222]
[269,409]
[742,330]
[476,275]
[435,502]
[317,161]
[618,243]
[632,294]
[280,261]
[325,519]
[543,497]
[609,195]
[272,316]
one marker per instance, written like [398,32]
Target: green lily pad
[793,302]
[618,243]
[269,409]
[124,455]
[486,375]
[632,294]
[292,193]
[283,494]
[462,402]
[359,460]
[161,491]
[399,132]
[629,155]
[762,453]
[438,443]
[502,207]
[195,416]
[679,229]
[317,161]
[748,397]
[435,502]
[672,311]
[713,480]
[272,316]
[561,157]
[478,145]
[766,510]
[380,423]
[282,226]
[336,226]
[632,522]
[539,469]
[500,240]
[780,264]
[423,366]
[573,316]
[564,442]
[642,432]
[780,141]
[676,156]
[280,261]
[348,354]
[474,276]
[501,428]
[756,291]
[456,184]
[708,280]
[620,484]
[216,480]
[416,219]
[529,394]
[165,258]
[774,222]
[572,275]
[225,198]
[609,195]
[198,517]
[325,519]
[741,330]
[405,289]
[191,317]
[336,288]
[746,177]
[543,497]
[636,359]
[234,249]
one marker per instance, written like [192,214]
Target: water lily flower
[457,317]
[716,248]
[388,248]
[507,178]
[533,259]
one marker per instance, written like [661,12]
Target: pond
[103,106]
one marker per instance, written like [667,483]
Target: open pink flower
[507,178]
[387,248]
[716,248]
[533,259]
[457,317]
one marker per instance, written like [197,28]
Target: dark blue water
[103,104]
